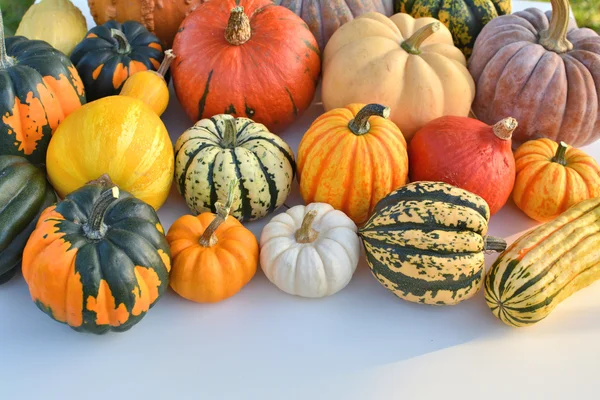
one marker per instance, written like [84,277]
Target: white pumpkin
[310,251]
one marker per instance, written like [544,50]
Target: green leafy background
[12,11]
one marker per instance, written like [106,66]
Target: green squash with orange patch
[111,53]
[39,88]
[98,260]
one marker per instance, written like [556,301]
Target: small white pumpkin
[310,251]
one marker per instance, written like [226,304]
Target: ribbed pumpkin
[214,256]
[248,58]
[161,17]
[351,158]
[39,87]
[118,136]
[464,18]
[324,17]
[425,242]
[541,70]
[98,260]
[466,153]
[546,266]
[111,53]
[24,194]
[216,150]
[553,177]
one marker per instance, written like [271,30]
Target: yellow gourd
[58,22]
[151,86]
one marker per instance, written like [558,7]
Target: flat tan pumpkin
[407,64]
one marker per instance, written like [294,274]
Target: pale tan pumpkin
[407,64]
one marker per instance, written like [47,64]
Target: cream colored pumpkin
[407,64]
[310,251]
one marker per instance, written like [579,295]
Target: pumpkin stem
[559,157]
[360,124]
[95,228]
[123,44]
[238,29]
[306,234]
[230,135]
[5,60]
[166,63]
[208,238]
[505,128]
[493,243]
[555,37]
[413,44]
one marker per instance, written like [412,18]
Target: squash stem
[238,29]
[306,234]
[5,60]
[413,44]
[555,37]
[95,228]
[360,124]
[493,243]
[559,157]
[505,128]
[123,44]
[166,63]
[230,135]
[209,238]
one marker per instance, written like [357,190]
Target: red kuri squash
[467,153]
[247,58]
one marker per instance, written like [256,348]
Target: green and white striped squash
[425,242]
[222,148]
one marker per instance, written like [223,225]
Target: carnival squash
[58,22]
[119,136]
[24,194]
[542,70]
[464,18]
[111,53]
[546,266]
[310,251]
[425,242]
[216,150]
[351,158]
[161,17]
[248,58]
[151,86]
[39,87]
[553,177]
[98,260]
[214,256]
[466,153]
[410,65]
[324,17]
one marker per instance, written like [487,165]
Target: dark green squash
[98,260]
[464,18]
[425,242]
[112,52]
[24,194]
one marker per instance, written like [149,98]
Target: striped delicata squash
[546,266]
[425,242]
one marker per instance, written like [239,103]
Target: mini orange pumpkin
[214,256]
[551,178]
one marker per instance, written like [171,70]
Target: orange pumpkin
[214,256]
[552,177]
[351,158]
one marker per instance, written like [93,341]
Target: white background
[363,343]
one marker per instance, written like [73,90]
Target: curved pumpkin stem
[238,29]
[555,37]
[559,157]
[306,234]
[413,44]
[5,60]
[166,63]
[95,228]
[505,128]
[493,243]
[230,135]
[360,124]
[208,238]
[123,44]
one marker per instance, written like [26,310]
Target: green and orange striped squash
[98,260]
[111,53]
[546,266]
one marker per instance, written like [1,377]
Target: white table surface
[362,343]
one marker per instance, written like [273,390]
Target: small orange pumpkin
[214,256]
[552,177]
[351,158]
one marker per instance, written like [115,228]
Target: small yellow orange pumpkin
[552,177]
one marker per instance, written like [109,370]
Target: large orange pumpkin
[351,158]
[248,58]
